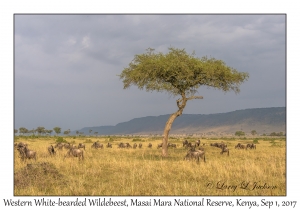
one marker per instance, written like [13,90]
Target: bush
[255,141]
[240,133]
[136,139]
[61,140]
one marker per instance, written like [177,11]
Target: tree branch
[195,97]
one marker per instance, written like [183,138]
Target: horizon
[97,126]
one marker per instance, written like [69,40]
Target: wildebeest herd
[195,150]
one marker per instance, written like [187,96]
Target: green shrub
[240,133]
[255,141]
[61,140]
[136,139]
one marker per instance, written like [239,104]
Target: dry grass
[114,171]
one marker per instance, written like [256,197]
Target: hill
[263,120]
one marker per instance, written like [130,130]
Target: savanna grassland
[122,171]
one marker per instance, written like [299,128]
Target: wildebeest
[51,150]
[121,145]
[196,154]
[224,149]
[240,146]
[75,153]
[26,153]
[134,146]
[171,145]
[219,145]
[97,145]
[109,145]
[80,145]
[140,145]
[59,146]
[251,146]
[159,145]
[185,143]
[127,145]
[150,145]
[198,143]
[20,144]
[124,145]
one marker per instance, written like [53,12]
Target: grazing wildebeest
[140,145]
[251,146]
[127,145]
[25,153]
[109,145]
[150,145]
[134,146]
[240,146]
[171,145]
[219,145]
[224,149]
[121,145]
[197,154]
[59,145]
[80,145]
[51,150]
[97,145]
[75,153]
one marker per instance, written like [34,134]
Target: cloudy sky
[66,66]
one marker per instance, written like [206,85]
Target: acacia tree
[23,130]
[67,132]
[57,130]
[253,132]
[40,130]
[179,74]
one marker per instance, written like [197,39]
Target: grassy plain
[126,172]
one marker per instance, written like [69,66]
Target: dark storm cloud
[66,65]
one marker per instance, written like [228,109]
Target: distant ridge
[263,120]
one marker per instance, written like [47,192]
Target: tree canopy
[179,73]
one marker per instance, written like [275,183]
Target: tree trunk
[166,133]
[169,124]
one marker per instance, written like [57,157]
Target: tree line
[43,131]
[40,131]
